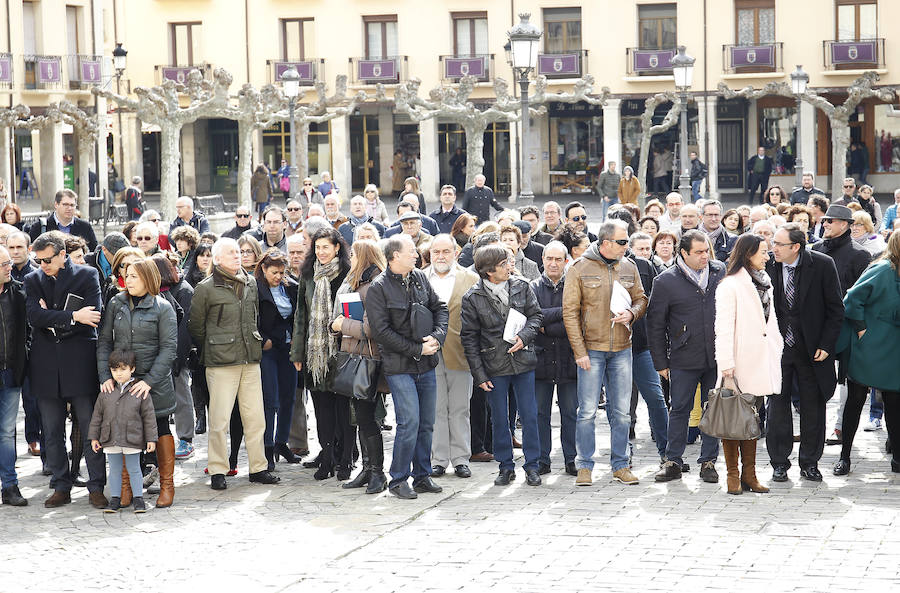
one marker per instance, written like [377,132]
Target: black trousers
[478,421]
[796,366]
[333,426]
[757,181]
[53,418]
[856,399]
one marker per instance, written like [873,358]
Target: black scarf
[836,243]
[763,284]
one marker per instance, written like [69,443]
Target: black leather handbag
[730,414]
[355,375]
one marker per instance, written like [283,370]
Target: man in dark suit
[759,168]
[63,367]
[810,312]
[64,220]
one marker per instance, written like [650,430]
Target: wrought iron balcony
[179,74]
[84,71]
[379,70]
[570,64]
[43,72]
[648,62]
[764,57]
[481,66]
[853,55]
[307,69]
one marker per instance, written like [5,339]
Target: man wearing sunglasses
[598,318]
[243,222]
[577,216]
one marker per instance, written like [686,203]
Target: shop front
[496,154]
[664,146]
[277,146]
[576,147]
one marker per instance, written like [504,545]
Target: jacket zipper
[613,325]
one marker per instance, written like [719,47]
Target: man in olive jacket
[223,325]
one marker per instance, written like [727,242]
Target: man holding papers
[602,297]
[500,321]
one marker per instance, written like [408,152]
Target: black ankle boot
[282,450]
[200,426]
[377,480]
[270,458]
[326,464]
[361,479]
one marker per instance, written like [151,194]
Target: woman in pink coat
[748,345]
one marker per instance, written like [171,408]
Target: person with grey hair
[640,245]
[315,211]
[599,329]
[358,216]
[13,356]
[766,230]
[552,213]
[721,239]
[147,236]
[479,199]
[184,206]
[327,186]
[366,230]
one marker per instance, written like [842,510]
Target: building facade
[626,45]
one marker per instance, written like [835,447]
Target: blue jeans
[695,189]
[876,405]
[415,398]
[567,400]
[681,394]
[33,433]
[606,205]
[612,369]
[647,380]
[279,384]
[9,407]
[523,388]
[133,464]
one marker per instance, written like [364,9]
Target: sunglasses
[242,215]
[154,220]
[293,209]
[46,260]
[307,183]
[144,238]
[622,242]
[579,218]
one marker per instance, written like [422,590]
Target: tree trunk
[474,129]
[85,147]
[303,152]
[245,163]
[170,157]
[840,142]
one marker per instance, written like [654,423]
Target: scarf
[714,235]
[762,283]
[692,275]
[499,291]
[868,206]
[235,282]
[836,243]
[322,344]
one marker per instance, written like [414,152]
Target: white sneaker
[873,425]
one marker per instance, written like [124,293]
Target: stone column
[515,145]
[51,170]
[752,129]
[808,138]
[612,133]
[340,138]
[188,160]
[385,151]
[6,171]
[706,108]
[428,149]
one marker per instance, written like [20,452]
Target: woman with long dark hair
[313,346]
[748,345]
[463,229]
[366,263]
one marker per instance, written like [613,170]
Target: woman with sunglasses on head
[309,193]
[375,208]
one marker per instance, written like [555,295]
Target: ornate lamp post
[683,69]
[799,79]
[291,84]
[120,58]
[524,39]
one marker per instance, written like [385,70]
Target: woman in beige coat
[748,345]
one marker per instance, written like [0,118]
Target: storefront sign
[376,70]
[90,70]
[559,64]
[652,60]
[6,68]
[176,74]
[853,52]
[459,67]
[48,70]
[759,55]
[558,109]
[304,69]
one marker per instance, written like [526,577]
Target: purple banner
[372,70]
[176,74]
[90,71]
[854,52]
[559,64]
[6,69]
[48,70]
[760,55]
[652,60]
[459,67]
[306,70]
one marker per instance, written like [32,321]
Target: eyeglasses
[293,209]
[247,252]
[849,186]
[154,220]
[242,216]
[622,242]
[7,264]
[143,238]
[780,244]
[67,204]
[46,260]
[579,218]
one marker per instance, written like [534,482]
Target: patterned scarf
[703,282]
[322,344]
[763,284]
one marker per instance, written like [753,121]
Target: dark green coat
[222,325]
[150,330]
[875,301]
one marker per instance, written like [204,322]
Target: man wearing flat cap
[411,223]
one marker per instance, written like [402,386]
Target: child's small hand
[151,447]
[95,445]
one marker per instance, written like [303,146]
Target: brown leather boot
[125,498]
[748,471]
[730,448]
[165,457]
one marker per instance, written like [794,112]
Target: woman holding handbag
[748,345]
[366,263]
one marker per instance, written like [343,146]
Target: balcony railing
[179,74]
[570,64]
[481,66]
[853,55]
[764,57]
[6,71]
[43,72]
[648,62]
[307,69]
[379,70]
[84,71]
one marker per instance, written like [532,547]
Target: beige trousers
[244,383]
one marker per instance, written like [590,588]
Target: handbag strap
[359,347]
[721,383]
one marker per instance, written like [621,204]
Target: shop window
[297,39]
[576,153]
[755,21]
[778,133]
[887,139]
[185,46]
[856,20]
[657,26]
[381,36]
[277,146]
[562,30]
[470,34]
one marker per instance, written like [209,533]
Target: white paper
[620,300]
[515,322]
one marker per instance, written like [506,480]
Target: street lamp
[683,69]
[291,85]
[523,41]
[120,57]
[799,78]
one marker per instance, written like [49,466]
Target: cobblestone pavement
[303,535]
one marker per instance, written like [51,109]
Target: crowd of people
[164,331]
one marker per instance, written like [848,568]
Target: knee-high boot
[165,457]
[125,501]
[362,478]
[749,480]
[730,448]
[377,480]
